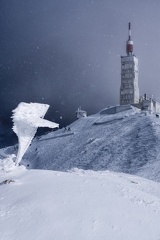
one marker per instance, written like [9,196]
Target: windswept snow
[86,205]
[27,117]
[128,142]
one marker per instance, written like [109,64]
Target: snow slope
[126,142]
[86,205]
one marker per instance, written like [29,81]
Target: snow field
[78,205]
[85,204]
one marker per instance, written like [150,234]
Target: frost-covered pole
[27,117]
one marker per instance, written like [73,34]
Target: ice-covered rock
[27,117]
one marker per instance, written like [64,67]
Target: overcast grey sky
[66,53]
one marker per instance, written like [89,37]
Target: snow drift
[78,205]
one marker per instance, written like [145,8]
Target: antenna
[129,30]
[129,43]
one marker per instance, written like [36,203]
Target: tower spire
[129,43]
[129,30]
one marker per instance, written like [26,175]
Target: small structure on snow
[148,104]
[80,113]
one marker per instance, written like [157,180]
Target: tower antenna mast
[129,43]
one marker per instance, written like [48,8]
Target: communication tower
[129,90]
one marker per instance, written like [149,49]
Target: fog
[66,53]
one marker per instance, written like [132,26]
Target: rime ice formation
[27,117]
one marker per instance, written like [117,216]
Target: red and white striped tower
[129,43]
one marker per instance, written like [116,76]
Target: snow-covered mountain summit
[85,204]
[128,141]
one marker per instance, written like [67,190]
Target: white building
[129,90]
[80,113]
[148,104]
